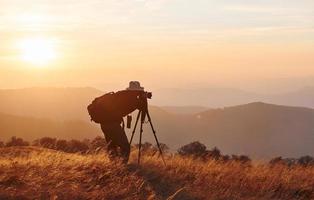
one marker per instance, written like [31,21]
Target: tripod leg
[154,132]
[134,129]
[140,143]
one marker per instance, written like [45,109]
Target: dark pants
[116,138]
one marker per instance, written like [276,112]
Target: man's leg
[117,137]
[124,145]
[120,139]
[111,146]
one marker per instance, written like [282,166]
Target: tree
[195,149]
[14,141]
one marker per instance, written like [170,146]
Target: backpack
[101,109]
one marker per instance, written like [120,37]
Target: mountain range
[221,97]
[257,129]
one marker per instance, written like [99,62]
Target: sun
[38,51]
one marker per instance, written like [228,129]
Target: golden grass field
[38,173]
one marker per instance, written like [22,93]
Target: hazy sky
[164,43]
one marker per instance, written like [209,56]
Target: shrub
[213,154]
[98,143]
[195,149]
[290,161]
[242,159]
[163,147]
[147,148]
[225,158]
[14,141]
[47,142]
[1,144]
[277,161]
[306,161]
[77,146]
[87,142]
[62,145]
[303,161]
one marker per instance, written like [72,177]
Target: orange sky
[163,43]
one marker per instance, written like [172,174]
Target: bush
[242,159]
[14,141]
[46,142]
[1,144]
[225,158]
[98,143]
[87,142]
[62,145]
[277,161]
[195,149]
[303,161]
[163,147]
[77,146]
[213,154]
[147,149]
[306,161]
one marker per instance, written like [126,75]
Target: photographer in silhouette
[108,110]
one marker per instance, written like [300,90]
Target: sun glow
[38,51]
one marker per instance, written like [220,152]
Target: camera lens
[149,95]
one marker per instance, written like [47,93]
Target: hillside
[259,130]
[302,97]
[256,129]
[207,97]
[35,173]
[184,109]
[222,97]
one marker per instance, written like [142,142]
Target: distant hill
[302,97]
[71,103]
[222,97]
[256,129]
[261,129]
[184,109]
[206,97]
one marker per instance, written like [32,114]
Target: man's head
[135,86]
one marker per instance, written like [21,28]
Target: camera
[148,95]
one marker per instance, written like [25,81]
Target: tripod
[143,113]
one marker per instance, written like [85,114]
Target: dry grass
[35,173]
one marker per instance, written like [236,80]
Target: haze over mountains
[221,97]
[256,129]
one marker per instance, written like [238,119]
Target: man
[114,106]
